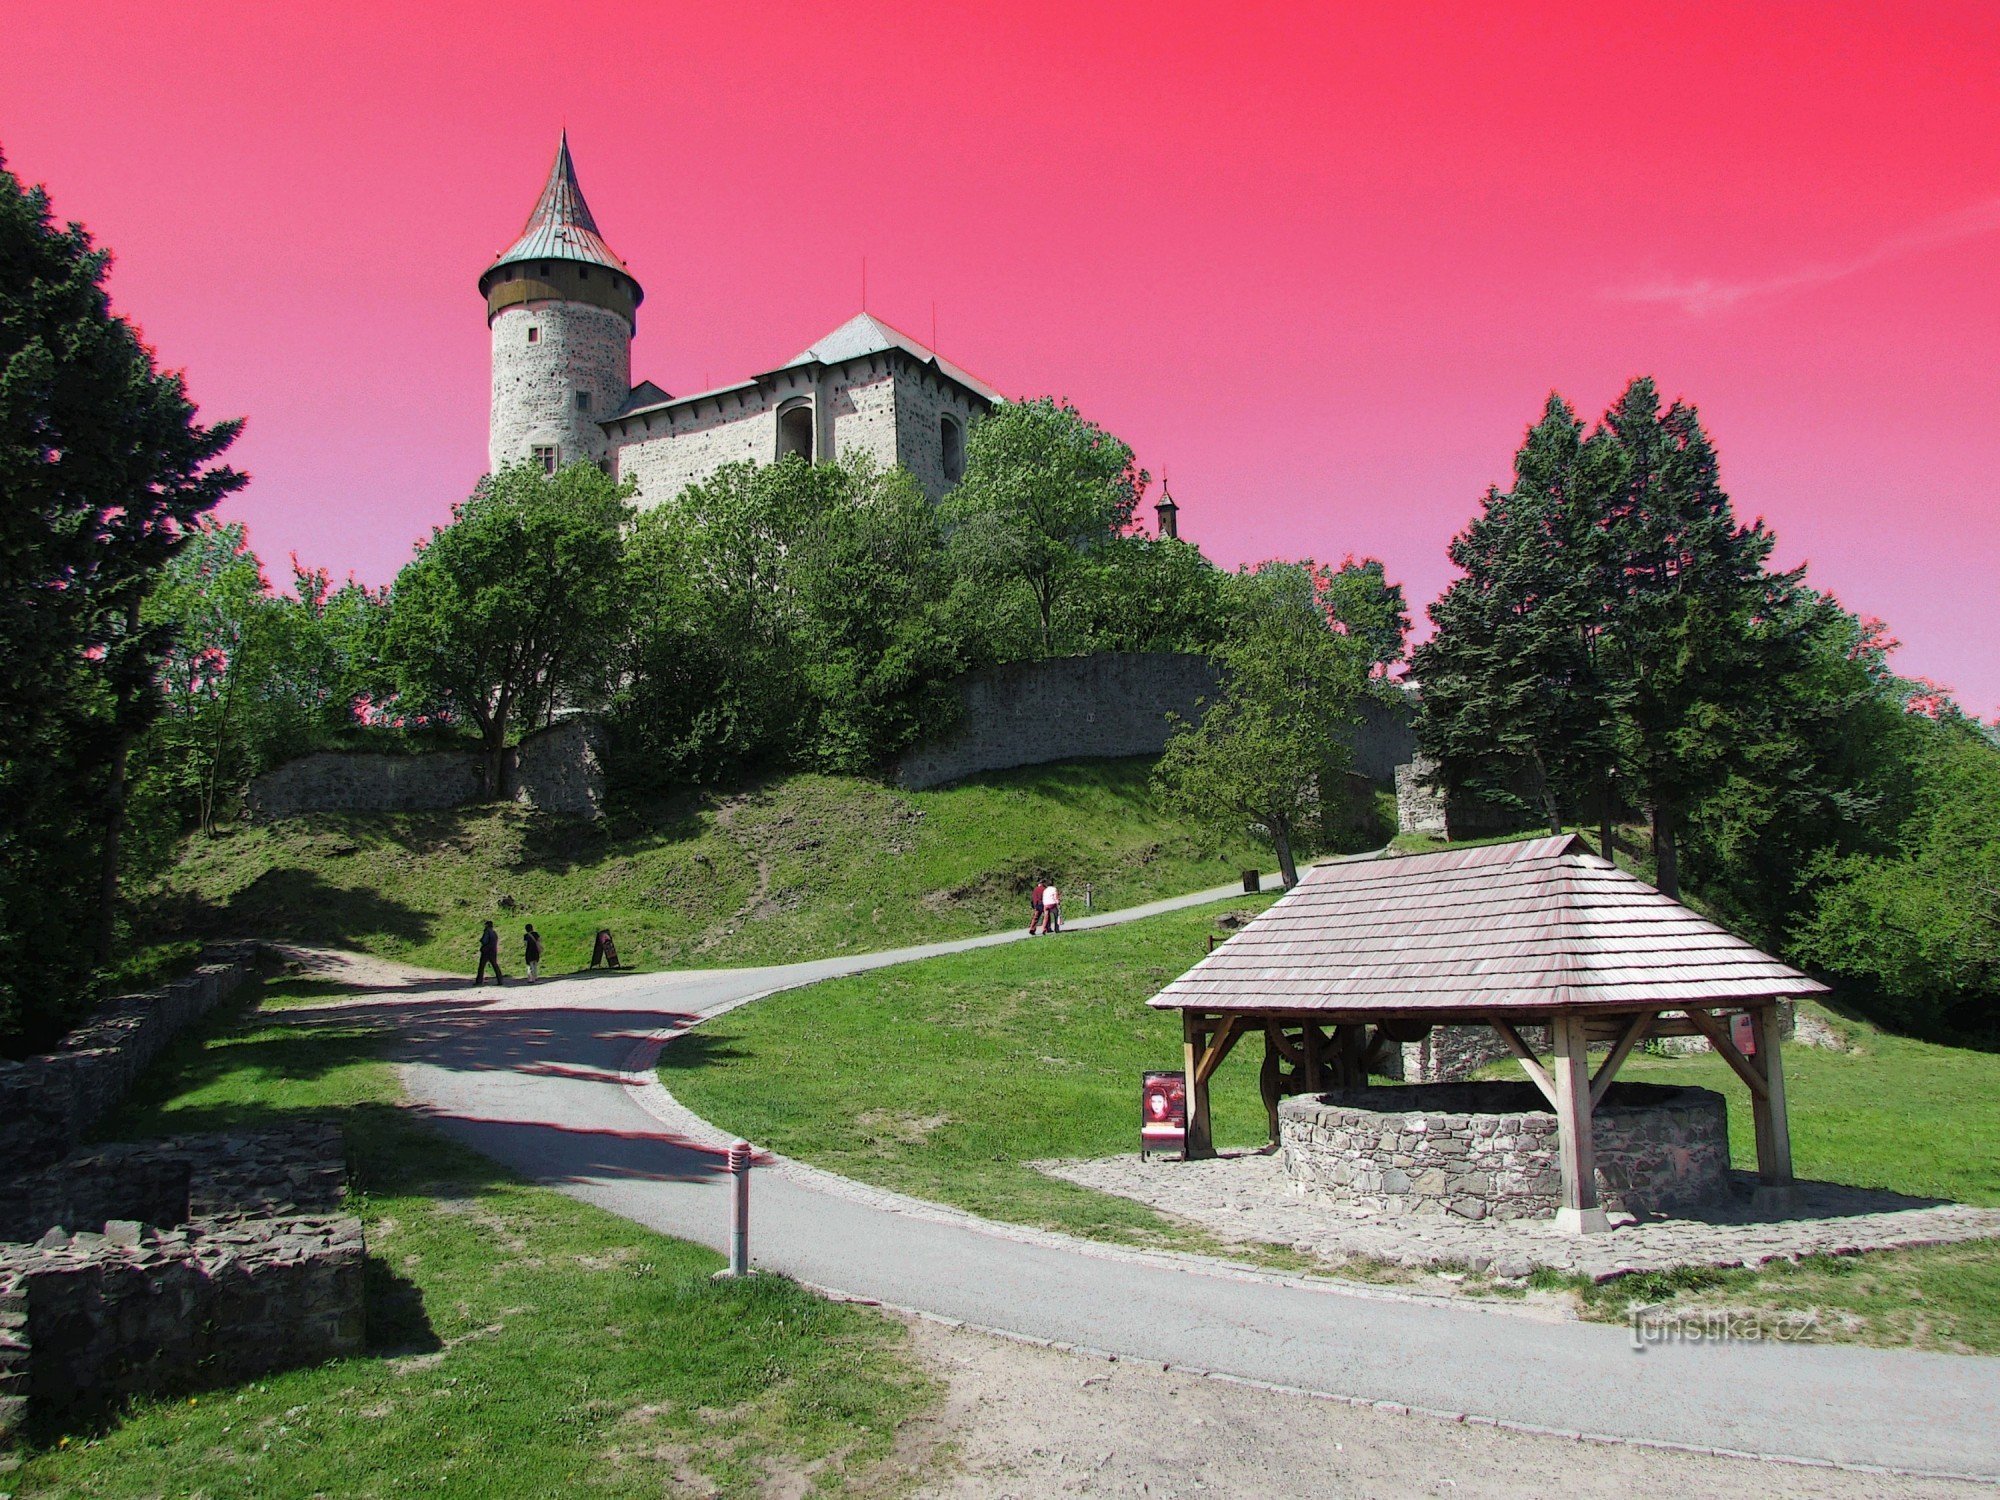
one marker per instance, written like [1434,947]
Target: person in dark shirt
[489,953]
[531,951]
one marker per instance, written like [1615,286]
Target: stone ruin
[175,1264]
[1488,1150]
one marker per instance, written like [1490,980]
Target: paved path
[543,1079]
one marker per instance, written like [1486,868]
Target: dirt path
[360,971]
[1030,1422]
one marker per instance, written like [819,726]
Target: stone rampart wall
[1480,1150]
[1113,703]
[558,770]
[48,1103]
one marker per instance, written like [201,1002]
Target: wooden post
[1200,1140]
[1580,1212]
[1774,1130]
[1267,1075]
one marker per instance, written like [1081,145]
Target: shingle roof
[561,226]
[864,333]
[1521,928]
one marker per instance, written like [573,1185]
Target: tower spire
[561,225]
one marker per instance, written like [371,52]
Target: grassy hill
[797,867]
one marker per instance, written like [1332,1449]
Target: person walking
[1035,908]
[489,953]
[531,951]
[1051,910]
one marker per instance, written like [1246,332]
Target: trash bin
[1250,883]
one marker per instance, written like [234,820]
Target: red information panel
[1162,1113]
[1744,1034]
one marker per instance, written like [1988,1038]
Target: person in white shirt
[1051,910]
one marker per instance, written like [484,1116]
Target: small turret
[1168,512]
[562,309]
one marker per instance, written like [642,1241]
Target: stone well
[1479,1150]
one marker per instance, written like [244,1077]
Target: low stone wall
[556,770]
[176,1263]
[1449,1054]
[106,1315]
[1489,1150]
[1111,704]
[48,1103]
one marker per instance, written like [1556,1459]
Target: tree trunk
[1666,853]
[1604,844]
[1546,794]
[1281,839]
[107,870]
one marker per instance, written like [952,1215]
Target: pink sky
[1323,268]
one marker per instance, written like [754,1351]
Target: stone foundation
[1489,1150]
[174,1264]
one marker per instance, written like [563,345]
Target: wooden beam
[1718,1038]
[1312,1048]
[1220,1046]
[1774,1129]
[1200,1140]
[1634,1034]
[1580,1212]
[1267,1076]
[1530,1064]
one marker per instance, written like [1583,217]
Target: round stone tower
[562,309]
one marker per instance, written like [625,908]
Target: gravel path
[1246,1197]
[551,1079]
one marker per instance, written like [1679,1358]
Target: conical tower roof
[561,226]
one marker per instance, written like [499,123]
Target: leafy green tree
[512,607]
[104,468]
[1365,605]
[793,614]
[1043,490]
[1919,925]
[1143,593]
[1275,743]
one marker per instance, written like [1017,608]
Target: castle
[562,309]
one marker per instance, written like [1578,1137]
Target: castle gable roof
[561,226]
[1523,928]
[865,334]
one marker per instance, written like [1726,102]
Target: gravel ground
[1246,1197]
[1030,1422]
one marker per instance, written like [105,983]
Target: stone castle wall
[1489,1150]
[557,770]
[922,399]
[1114,703]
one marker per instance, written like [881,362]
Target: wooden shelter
[1361,956]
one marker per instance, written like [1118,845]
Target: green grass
[804,866]
[521,1343]
[945,1078]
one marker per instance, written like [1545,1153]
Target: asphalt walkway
[549,1079]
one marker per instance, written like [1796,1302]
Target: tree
[1509,678]
[1143,593]
[1043,489]
[1365,605]
[1275,742]
[1919,925]
[1696,631]
[104,468]
[513,605]
[792,613]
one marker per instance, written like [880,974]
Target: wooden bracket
[1718,1038]
[1530,1064]
[1633,1035]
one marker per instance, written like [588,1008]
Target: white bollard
[739,1210]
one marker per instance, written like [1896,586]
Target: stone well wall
[1480,1150]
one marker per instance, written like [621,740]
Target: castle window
[545,457]
[795,431]
[583,400]
[951,444]
[545,273]
[534,335]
